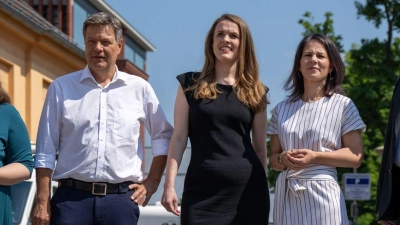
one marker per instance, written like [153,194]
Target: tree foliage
[372,70]
[325,28]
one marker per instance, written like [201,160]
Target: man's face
[101,49]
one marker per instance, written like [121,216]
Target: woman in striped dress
[312,132]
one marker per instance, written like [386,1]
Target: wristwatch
[280,158]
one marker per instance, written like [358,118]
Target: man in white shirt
[91,120]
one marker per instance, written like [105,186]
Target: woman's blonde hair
[249,88]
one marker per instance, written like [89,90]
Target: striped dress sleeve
[351,119]
[273,123]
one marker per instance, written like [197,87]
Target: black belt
[97,188]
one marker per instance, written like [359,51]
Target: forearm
[259,138]
[171,171]
[175,155]
[43,181]
[157,168]
[275,151]
[179,138]
[343,157]
[13,173]
[176,149]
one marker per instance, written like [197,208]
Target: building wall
[29,62]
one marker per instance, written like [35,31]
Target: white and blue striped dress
[312,195]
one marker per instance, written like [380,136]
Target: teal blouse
[15,146]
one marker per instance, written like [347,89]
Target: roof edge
[130,30]
[26,15]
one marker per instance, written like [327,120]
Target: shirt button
[99,157]
[101,139]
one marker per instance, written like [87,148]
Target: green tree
[372,70]
[325,28]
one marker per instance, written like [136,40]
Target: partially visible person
[16,162]
[312,132]
[388,195]
[91,119]
[222,110]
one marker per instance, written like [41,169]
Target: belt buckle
[99,189]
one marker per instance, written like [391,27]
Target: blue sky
[177,28]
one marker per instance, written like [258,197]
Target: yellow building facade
[29,62]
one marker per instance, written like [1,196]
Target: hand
[42,214]
[170,201]
[144,190]
[298,159]
[286,161]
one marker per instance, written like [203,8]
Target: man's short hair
[103,19]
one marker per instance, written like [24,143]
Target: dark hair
[295,84]
[4,97]
[104,18]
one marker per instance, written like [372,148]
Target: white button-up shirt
[95,130]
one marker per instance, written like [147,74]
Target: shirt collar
[86,74]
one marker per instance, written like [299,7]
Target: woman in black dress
[218,108]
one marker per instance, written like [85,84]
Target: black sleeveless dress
[225,182]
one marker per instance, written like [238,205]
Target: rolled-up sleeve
[159,128]
[48,137]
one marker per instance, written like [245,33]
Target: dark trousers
[76,207]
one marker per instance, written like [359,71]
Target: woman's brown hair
[4,97]
[295,83]
[249,88]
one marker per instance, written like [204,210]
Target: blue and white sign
[357,186]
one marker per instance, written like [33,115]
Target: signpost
[357,186]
